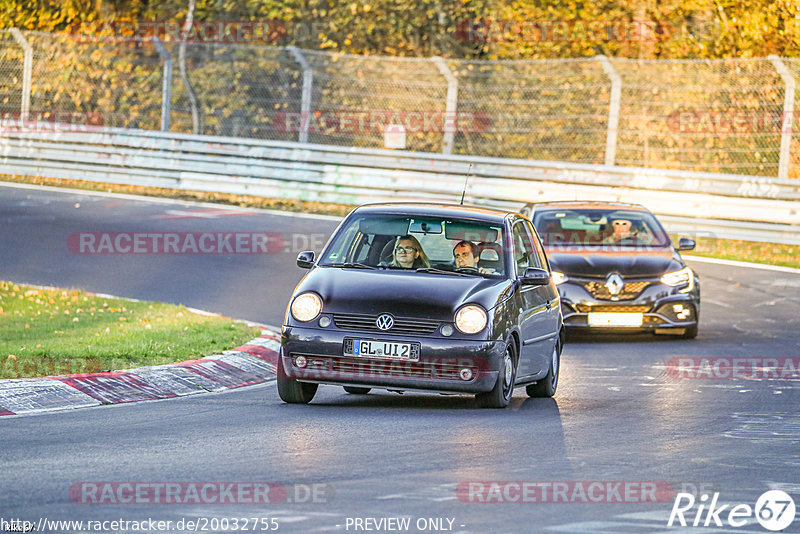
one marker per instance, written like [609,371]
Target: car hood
[626,263]
[409,294]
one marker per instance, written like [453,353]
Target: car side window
[524,253]
[543,264]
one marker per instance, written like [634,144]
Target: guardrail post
[27,69]
[450,119]
[166,87]
[613,109]
[305,101]
[786,119]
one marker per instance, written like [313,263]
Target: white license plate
[371,348]
[615,319]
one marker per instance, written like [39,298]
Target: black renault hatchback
[428,297]
[616,269]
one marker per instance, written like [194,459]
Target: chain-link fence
[729,115]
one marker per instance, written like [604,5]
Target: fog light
[300,361]
[324,321]
[682,312]
[447,330]
[466,373]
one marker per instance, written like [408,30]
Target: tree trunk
[190,94]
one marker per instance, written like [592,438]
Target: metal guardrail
[728,206]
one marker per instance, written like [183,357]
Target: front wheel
[546,387]
[690,332]
[500,395]
[292,391]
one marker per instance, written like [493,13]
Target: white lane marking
[205,213]
[744,264]
[652,522]
[159,200]
[766,428]
[440,493]
[715,302]
[788,487]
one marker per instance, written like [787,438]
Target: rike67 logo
[774,510]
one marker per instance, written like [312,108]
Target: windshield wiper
[433,270]
[351,265]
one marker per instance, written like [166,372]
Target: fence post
[450,119]
[613,109]
[166,87]
[27,68]
[305,102]
[786,119]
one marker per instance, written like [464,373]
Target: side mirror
[685,243]
[535,277]
[305,260]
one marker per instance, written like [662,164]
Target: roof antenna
[469,173]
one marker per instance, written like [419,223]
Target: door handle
[548,305]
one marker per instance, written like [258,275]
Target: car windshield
[597,227]
[418,244]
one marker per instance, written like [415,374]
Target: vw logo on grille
[384,321]
[614,284]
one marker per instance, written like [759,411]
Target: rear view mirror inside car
[425,227]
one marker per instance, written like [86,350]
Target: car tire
[292,391]
[690,333]
[357,391]
[546,387]
[503,390]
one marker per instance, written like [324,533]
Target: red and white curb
[252,363]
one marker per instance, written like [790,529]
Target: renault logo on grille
[384,321]
[614,284]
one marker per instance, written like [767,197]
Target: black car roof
[436,210]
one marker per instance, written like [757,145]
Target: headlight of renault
[306,307]
[679,278]
[558,278]
[470,319]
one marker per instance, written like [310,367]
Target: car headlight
[306,307]
[470,319]
[558,278]
[679,278]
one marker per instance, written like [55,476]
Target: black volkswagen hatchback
[616,269]
[439,298]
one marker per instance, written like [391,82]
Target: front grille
[366,323]
[629,291]
[606,308]
[342,368]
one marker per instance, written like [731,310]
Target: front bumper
[664,308]
[439,367]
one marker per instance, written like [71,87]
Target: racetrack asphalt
[618,414]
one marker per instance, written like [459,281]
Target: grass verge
[729,249]
[59,331]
